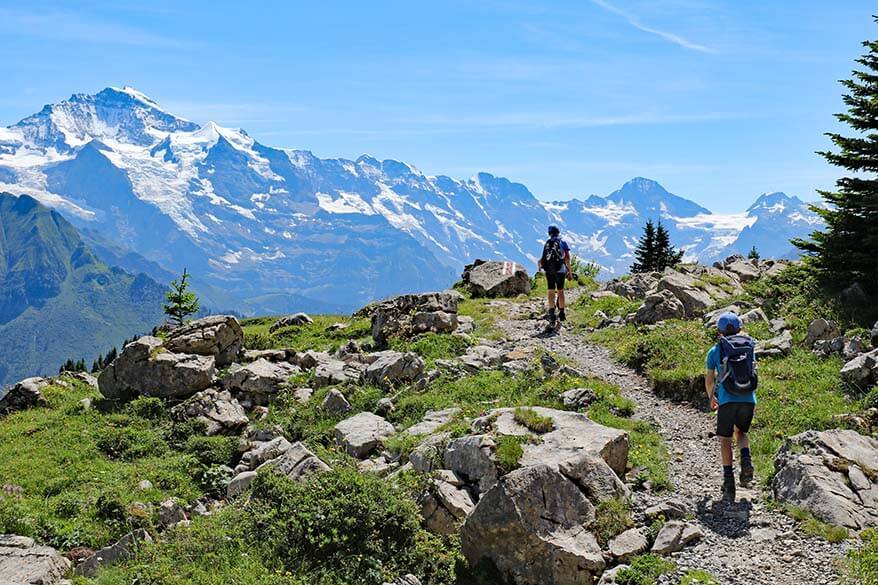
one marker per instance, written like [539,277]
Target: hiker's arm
[709,385]
[567,260]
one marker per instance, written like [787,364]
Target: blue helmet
[554,231]
[729,323]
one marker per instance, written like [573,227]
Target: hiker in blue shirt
[730,383]
[555,260]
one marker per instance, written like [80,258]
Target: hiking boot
[551,317]
[562,315]
[729,489]
[746,472]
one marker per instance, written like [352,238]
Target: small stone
[144,485]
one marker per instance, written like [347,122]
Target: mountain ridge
[253,220]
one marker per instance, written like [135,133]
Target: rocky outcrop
[23,395]
[362,433]
[659,306]
[495,278]
[219,336]
[821,329]
[832,474]
[407,315]
[296,320]
[258,382]
[391,368]
[121,551]
[779,345]
[332,371]
[217,410]
[292,460]
[533,526]
[444,505]
[146,368]
[636,286]
[862,371]
[23,562]
[695,299]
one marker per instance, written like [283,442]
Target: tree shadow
[730,519]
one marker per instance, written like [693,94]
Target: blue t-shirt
[723,395]
[564,248]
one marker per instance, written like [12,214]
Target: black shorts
[734,414]
[555,280]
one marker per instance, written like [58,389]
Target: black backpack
[738,364]
[553,255]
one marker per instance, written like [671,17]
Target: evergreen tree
[181,301]
[96,365]
[754,254]
[844,253]
[665,254]
[645,253]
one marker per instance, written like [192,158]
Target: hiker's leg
[725,449]
[561,300]
[551,299]
[742,439]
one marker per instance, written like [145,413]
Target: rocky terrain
[584,456]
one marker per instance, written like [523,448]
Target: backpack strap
[723,364]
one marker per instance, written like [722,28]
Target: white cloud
[668,36]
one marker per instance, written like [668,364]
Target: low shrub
[533,421]
[216,450]
[698,577]
[509,451]
[612,518]
[861,567]
[644,570]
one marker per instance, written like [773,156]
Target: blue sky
[718,101]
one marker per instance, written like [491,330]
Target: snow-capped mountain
[273,229]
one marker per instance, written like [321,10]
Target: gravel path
[745,542]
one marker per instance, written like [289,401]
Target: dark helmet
[554,231]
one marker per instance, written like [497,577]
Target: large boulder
[745,270]
[820,329]
[296,320]
[217,410]
[862,371]
[145,367]
[259,382]
[776,346]
[122,550]
[219,336]
[659,306]
[23,395]
[407,315]
[831,474]
[444,505]
[362,433]
[496,278]
[331,371]
[23,562]
[295,462]
[533,526]
[391,368]
[685,287]
[636,286]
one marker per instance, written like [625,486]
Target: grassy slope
[72,492]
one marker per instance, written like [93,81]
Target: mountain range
[269,230]
[57,300]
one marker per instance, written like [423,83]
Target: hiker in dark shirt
[555,261]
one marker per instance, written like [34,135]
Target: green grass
[509,451]
[814,527]
[612,518]
[533,421]
[644,570]
[337,528]
[316,335]
[79,470]
[433,346]
[582,313]
[861,567]
[698,577]
[484,317]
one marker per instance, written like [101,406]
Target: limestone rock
[444,506]
[291,321]
[407,315]
[219,336]
[471,458]
[744,270]
[393,367]
[406,580]
[637,286]
[533,526]
[335,402]
[25,394]
[22,562]
[362,433]
[121,551]
[695,300]
[145,367]
[171,513]
[221,413]
[827,473]
[862,371]
[433,419]
[497,279]
[482,357]
[384,406]
[240,483]
[260,381]
[296,462]
[779,345]
[669,510]
[630,543]
[659,306]
[577,398]
[427,456]
[334,371]
[821,329]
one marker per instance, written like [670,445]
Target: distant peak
[775,201]
[134,93]
[643,184]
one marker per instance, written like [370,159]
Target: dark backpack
[738,364]
[553,255]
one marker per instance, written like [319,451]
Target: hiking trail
[744,542]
